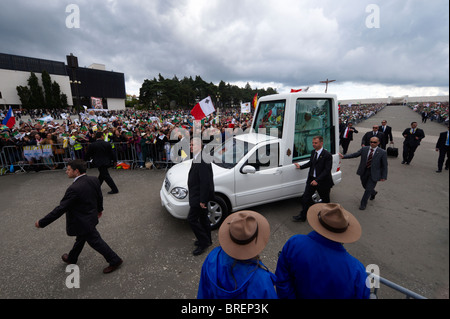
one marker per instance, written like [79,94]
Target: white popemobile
[258,167]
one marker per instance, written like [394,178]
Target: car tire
[217,212]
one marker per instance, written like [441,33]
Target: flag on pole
[203,109]
[255,101]
[9,120]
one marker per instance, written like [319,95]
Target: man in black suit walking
[103,157]
[319,177]
[373,168]
[347,136]
[201,191]
[374,133]
[413,137]
[387,132]
[442,146]
[83,205]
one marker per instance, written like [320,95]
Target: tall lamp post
[218,103]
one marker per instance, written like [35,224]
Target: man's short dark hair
[318,137]
[79,165]
[99,135]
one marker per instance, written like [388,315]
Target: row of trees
[157,93]
[34,96]
[174,93]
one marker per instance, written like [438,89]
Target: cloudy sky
[373,48]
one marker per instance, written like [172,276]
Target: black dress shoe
[362,207]
[299,218]
[113,192]
[112,268]
[65,258]
[372,197]
[439,171]
[199,250]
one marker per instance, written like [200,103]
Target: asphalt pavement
[405,229]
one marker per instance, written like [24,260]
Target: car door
[264,184]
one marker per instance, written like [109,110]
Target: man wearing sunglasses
[372,168]
[374,133]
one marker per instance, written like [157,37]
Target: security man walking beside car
[373,168]
[319,177]
[201,191]
[83,206]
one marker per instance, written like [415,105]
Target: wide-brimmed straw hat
[244,235]
[332,221]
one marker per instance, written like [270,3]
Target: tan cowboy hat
[243,235]
[332,221]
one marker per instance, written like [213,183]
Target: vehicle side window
[265,157]
[270,117]
[312,118]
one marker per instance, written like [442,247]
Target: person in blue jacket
[317,266]
[233,270]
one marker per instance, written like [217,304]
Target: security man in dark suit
[201,191]
[83,206]
[413,137]
[374,133]
[373,168]
[319,177]
[102,157]
[442,146]
[346,136]
[387,132]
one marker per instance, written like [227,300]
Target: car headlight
[179,192]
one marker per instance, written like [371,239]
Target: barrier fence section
[56,156]
[374,294]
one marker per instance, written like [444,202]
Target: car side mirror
[248,169]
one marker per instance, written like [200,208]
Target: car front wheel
[217,212]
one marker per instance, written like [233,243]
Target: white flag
[245,107]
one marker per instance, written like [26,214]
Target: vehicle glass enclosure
[313,117]
[270,117]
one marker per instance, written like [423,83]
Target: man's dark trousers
[369,186]
[307,202]
[94,240]
[200,224]
[104,176]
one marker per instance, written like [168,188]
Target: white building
[79,84]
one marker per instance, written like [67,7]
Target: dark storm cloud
[288,42]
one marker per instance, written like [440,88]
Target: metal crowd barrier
[29,158]
[408,293]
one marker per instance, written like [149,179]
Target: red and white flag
[300,90]
[203,109]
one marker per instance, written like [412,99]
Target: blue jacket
[223,277]
[314,267]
